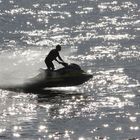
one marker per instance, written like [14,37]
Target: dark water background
[103,37]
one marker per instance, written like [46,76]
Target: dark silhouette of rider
[53,55]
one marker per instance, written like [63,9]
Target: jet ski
[68,75]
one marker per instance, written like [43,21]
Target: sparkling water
[103,37]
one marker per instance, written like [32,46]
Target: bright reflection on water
[102,36]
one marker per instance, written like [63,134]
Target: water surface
[102,36]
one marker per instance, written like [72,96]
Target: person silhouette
[53,55]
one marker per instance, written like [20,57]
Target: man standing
[53,55]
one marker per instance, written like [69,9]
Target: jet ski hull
[68,76]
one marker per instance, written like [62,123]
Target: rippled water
[103,37]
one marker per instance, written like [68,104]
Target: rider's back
[52,55]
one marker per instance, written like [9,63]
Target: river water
[103,37]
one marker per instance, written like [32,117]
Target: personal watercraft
[69,75]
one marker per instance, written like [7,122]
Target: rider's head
[58,47]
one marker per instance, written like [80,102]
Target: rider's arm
[60,58]
[57,60]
